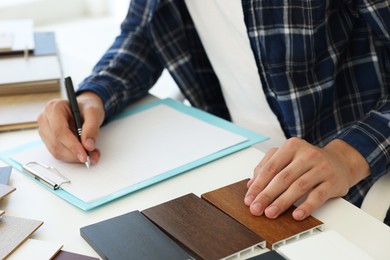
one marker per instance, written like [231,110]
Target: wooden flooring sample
[35,249]
[131,234]
[5,173]
[230,199]
[65,255]
[14,231]
[206,232]
[5,190]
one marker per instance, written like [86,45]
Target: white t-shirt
[222,30]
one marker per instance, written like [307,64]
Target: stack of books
[30,73]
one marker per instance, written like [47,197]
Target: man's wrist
[90,96]
[352,158]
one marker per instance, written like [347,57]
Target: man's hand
[298,169]
[57,129]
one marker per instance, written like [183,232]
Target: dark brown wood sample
[202,229]
[230,199]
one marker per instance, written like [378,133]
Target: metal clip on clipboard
[54,182]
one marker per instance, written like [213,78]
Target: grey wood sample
[5,173]
[131,236]
[270,255]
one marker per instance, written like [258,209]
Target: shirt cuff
[371,137]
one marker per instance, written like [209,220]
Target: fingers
[307,183]
[90,132]
[288,186]
[273,163]
[313,201]
[265,159]
[294,171]
[56,128]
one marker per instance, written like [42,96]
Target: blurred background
[84,30]
[46,12]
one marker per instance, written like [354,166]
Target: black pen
[75,111]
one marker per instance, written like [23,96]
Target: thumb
[93,113]
[90,130]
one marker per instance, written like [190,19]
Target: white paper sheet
[136,148]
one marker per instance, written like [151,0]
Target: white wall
[45,12]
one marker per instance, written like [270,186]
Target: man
[324,67]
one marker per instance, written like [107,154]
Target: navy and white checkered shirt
[324,67]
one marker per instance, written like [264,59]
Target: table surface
[62,221]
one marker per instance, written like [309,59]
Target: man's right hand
[58,132]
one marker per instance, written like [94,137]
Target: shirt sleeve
[130,67]
[377,16]
[371,135]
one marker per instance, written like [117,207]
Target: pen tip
[88,162]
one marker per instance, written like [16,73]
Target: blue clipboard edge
[252,138]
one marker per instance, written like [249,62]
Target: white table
[62,220]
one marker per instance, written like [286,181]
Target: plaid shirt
[324,67]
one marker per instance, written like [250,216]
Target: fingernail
[272,211]
[299,214]
[249,199]
[80,157]
[257,209]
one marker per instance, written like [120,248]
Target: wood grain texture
[14,231]
[205,231]
[230,199]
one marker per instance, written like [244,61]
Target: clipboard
[246,138]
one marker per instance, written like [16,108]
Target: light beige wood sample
[36,249]
[5,190]
[14,231]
